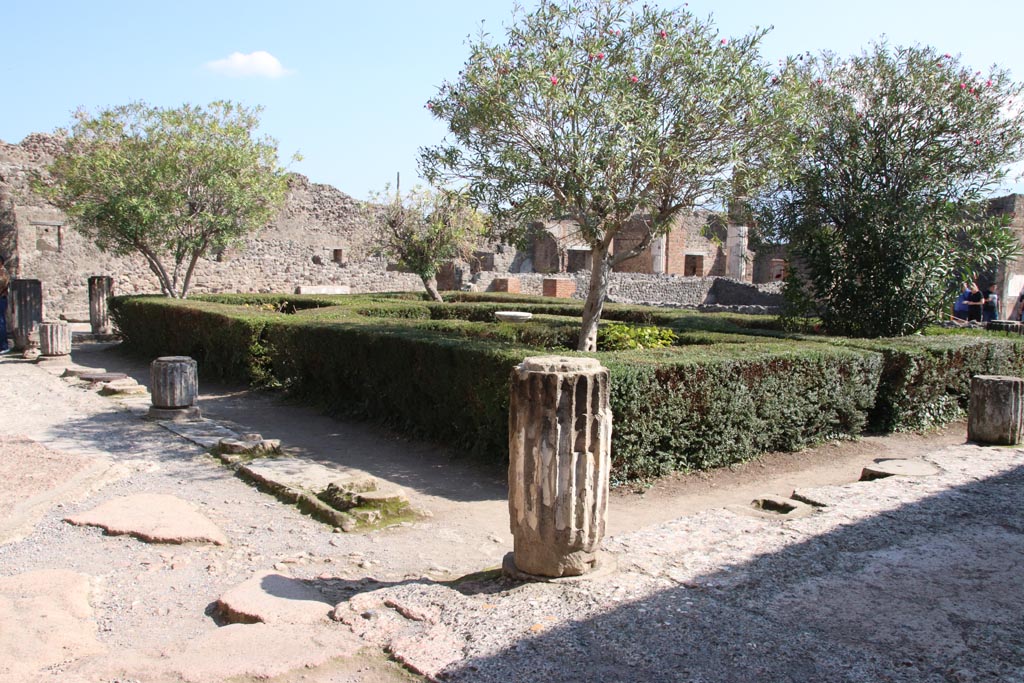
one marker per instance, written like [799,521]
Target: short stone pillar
[996,413]
[100,289]
[560,428]
[174,385]
[506,284]
[55,339]
[26,304]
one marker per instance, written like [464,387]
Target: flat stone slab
[205,433]
[323,289]
[272,598]
[295,473]
[153,518]
[897,467]
[78,371]
[45,620]
[101,376]
[122,387]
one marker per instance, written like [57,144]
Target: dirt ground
[133,611]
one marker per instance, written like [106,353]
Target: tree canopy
[599,111]
[424,229]
[892,156]
[169,184]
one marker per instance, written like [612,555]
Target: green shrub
[612,336]
[724,393]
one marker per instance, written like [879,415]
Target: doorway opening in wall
[693,265]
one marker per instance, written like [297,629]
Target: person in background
[975,300]
[990,311]
[960,306]
[5,281]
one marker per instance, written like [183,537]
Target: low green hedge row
[440,371]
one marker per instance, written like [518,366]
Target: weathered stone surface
[55,339]
[256,652]
[271,598]
[897,467]
[45,620]
[323,289]
[76,371]
[122,387]
[174,382]
[560,427]
[996,410]
[101,287]
[512,316]
[154,518]
[25,299]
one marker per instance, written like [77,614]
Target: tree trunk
[430,284]
[600,272]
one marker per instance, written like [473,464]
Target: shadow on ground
[422,467]
[931,591]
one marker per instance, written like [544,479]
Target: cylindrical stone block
[996,413]
[55,339]
[174,382]
[560,428]
[26,304]
[100,289]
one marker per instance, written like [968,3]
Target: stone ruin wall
[299,249]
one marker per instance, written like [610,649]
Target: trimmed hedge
[726,393]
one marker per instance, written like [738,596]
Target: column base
[604,564]
[174,414]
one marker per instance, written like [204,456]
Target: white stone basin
[512,316]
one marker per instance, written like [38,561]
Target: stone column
[996,410]
[736,252]
[174,385]
[560,428]
[100,289]
[55,339]
[26,305]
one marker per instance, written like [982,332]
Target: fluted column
[26,303]
[560,427]
[100,289]
[55,339]
[174,385]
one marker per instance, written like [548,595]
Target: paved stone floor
[903,578]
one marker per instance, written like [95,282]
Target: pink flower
[600,55]
[963,86]
[634,79]
[429,105]
[988,84]
[554,80]
[948,56]
[977,142]
[724,41]
[664,34]
[591,56]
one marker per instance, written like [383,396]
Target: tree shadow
[930,591]
[419,466]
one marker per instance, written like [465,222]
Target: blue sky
[357,74]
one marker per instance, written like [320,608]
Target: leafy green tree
[169,184]
[893,155]
[424,229]
[601,110]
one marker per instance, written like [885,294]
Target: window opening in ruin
[338,256]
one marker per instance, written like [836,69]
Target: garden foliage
[724,392]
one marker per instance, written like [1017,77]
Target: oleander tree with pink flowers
[891,157]
[600,111]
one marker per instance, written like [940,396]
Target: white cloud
[259,63]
